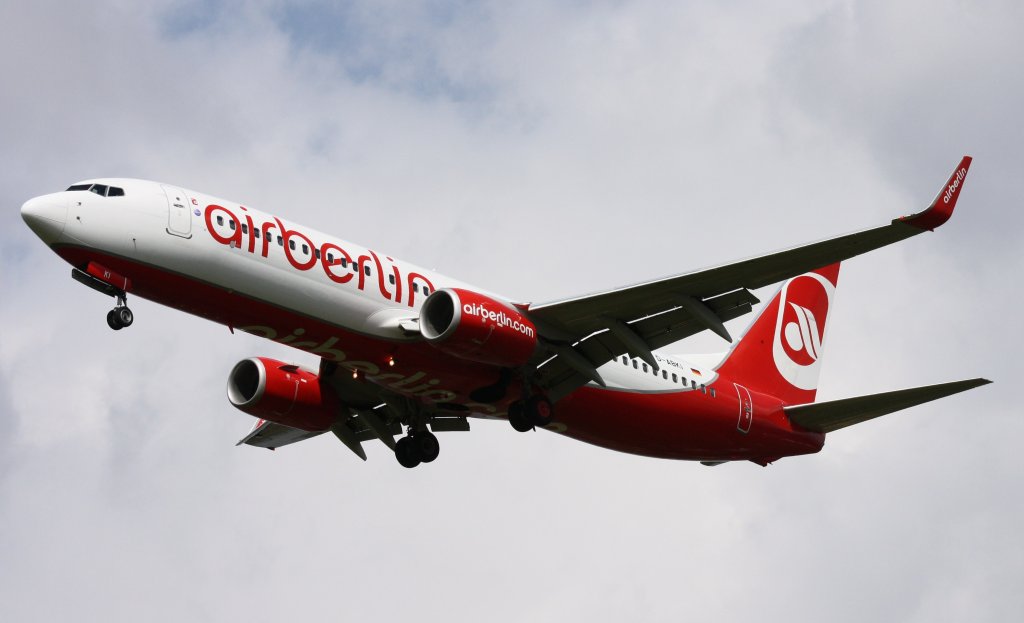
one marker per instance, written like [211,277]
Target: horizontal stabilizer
[825,417]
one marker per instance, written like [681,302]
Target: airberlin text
[334,261]
[954,185]
[498,317]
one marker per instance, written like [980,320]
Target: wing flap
[657,331]
[826,417]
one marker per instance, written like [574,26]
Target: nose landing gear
[120,317]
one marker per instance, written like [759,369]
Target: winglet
[942,208]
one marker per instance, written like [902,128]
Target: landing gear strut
[536,410]
[120,317]
[417,447]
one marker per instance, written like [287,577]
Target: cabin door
[179,218]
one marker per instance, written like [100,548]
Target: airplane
[407,352]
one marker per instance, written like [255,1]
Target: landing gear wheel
[113,321]
[125,316]
[427,445]
[539,411]
[517,417]
[407,452]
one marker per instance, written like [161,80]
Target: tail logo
[800,329]
[802,336]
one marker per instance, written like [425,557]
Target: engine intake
[282,393]
[473,326]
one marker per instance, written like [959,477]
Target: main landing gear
[536,410]
[120,317]
[419,446]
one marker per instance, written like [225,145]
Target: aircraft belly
[687,425]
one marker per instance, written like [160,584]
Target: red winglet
[942,208]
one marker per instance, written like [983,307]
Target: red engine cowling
[282,393]
[476,327]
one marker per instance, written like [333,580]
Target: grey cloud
[599,145]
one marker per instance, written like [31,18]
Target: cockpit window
[100,189]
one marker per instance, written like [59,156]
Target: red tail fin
[780,354]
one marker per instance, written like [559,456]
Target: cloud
[542,150]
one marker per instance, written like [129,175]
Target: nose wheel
[120,317]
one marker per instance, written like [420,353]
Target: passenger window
[693,384]
[291,245]
[675,378]
[245,228]
[415,287]
[344,263]
[231,223]
[391,278]
[664,374]
[316,252]
[703,389]
[426,290]
[625,360]
[712,392]
[305,249]
[220,220]
[635,365]
[114,191]
[270,237]
[644,365]
[280,241]
[366,269]
[330,259]
[355,268]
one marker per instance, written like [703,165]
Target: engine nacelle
[282,393]
[476,327]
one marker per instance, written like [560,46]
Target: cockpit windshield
[100,189]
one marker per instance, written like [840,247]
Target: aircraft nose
[46,216]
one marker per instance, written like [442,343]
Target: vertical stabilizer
[781,352]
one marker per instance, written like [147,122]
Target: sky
[540,149]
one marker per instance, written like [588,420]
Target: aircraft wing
[639,318]
[270,435]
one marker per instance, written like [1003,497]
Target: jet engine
[282,393]
[476,327]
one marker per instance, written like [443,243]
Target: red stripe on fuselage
[419,370]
